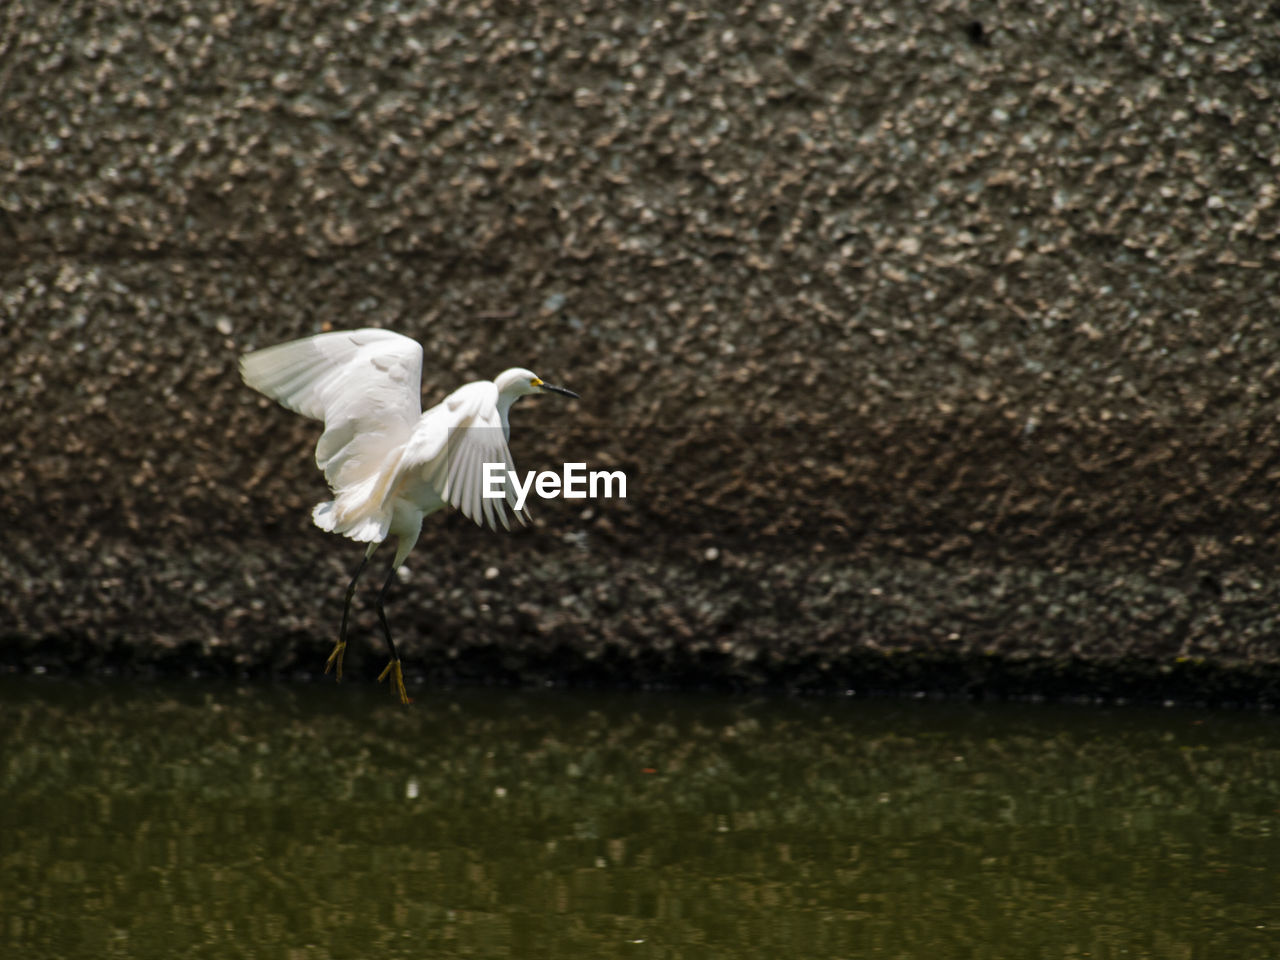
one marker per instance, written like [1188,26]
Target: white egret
[389,464]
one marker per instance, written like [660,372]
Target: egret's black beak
[551,388]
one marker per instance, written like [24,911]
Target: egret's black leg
[335,658]
[393,668]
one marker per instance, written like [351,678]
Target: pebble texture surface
[940,343]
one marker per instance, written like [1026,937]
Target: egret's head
[519,382]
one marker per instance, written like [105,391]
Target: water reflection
[148,820]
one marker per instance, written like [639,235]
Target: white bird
[389,464]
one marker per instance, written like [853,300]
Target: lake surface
[195,820]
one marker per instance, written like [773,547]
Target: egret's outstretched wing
[364,384]
[450,448]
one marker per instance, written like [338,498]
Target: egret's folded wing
[456,440]
[364,384]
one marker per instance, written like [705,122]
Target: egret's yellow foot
[335,659]
[397,680]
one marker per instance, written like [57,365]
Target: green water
[163,820]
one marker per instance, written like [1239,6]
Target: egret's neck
[505,400]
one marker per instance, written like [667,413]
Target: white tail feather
[327,517]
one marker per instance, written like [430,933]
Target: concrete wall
[941,352]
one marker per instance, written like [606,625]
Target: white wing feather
[452,444]
[364,384]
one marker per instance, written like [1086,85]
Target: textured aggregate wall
[940,343]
